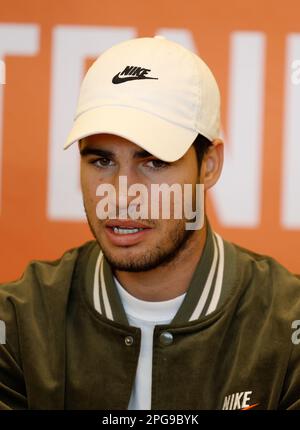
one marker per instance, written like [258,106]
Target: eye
[102,162]
[157,164]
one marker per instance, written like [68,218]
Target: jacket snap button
[166,338]
[128,340]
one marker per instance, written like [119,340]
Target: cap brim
[164,140]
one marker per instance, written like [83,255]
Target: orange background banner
[251,46]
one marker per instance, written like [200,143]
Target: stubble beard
[163,254]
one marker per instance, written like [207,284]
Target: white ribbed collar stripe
[96,290]
[203,298]
[107,307]
[219,281]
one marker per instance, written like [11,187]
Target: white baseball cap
[151,91]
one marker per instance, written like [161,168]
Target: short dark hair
[201,144]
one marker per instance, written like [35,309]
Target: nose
[127,179]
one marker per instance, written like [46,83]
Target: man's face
[104,158]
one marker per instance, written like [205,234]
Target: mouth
[122,230]
[126,233]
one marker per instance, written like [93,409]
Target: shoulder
[39,299]
[268,281]
[265,265]
[46,273]
[269,302]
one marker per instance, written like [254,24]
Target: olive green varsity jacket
[231,345]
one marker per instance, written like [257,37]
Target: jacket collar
[210,285]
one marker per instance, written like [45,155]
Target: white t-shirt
[146,315]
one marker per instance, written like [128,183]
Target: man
[151,314]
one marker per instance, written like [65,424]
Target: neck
[169,281]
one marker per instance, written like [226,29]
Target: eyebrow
[105,153]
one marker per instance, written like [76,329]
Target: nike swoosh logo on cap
[131,73]
[117,80]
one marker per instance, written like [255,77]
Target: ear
[212,164]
